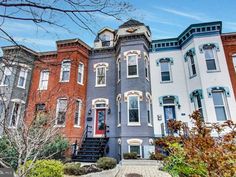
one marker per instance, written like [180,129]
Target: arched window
[196,98]
[132,57]
[165,69]
[101,69]
[189,57]
[65,71]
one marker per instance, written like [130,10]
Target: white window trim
[40,79]
[171,79]
[118,69]
[214,50]
[62,71]
[79,114]
[25,78]
[4,75]
[18,116]
[149,101]
[133,123]
[118,99]
[234,56]
[57,109]
[82,74]
[226,106]
[101,85]
[147,65]
[127,66]
[191,75]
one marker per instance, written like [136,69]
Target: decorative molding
[118,59]
[146,57]
[132,52]
[133,92]
[134,141]
[169,59]
[101,101]
[118,97]
[209,45]
[176,99]
[17,100]
[195,93]
[190,52]
[148,96]
[225,89]
[102,64]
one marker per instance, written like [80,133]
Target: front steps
[91,150]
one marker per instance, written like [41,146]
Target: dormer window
[105,40]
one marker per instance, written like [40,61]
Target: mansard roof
[131,23]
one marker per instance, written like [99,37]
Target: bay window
[132,66]
[220,104]
[22,78]
[65,71]
[6,76]
[61,111]
[43,82]
[78,113]
[133,109]
[15,115]
[80,73]
[192,66]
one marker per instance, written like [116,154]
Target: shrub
[45,168]
[72,168]
[106,163]
[130,155]
[156,156]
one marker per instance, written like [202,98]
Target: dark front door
[169,112]
[100,121]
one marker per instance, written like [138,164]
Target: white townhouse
[188,73]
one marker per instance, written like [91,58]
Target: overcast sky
[166,18]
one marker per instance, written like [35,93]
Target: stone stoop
[131,162]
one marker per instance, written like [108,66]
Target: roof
[131,23]
[72,41]
[20,47]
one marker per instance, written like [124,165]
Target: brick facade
[229,44]
[75,51]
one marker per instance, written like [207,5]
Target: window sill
[133,124]
[190,77]
[80,83]
[12,127]
[3,85]
[41,89]
[64,81]
[132,77]
[119,125]
[213,71]
[166,82]
[118,81]
[20,87]
[77,126]
[59,126]
[100,85]
[150,125]
[147,79]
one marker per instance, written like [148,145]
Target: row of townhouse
[126,87]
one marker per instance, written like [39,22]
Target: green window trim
[188,53]
[225,89]
[176,99]
[195,93]
[169,59]
[211,45]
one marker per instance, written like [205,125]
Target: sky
[166,18]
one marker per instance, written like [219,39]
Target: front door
[100,121]
[169,112]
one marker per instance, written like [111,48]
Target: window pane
[62,105]
[234,62]
[164,66]
[217,98]
[65,75]
[132,60]
[133,102]
[132,70]
[78,113]
[15,114]
[211,65]
[133,115]
[209,54]
[135,149]
[193,69]
[220,113]
[165,76]
[168,100]
[7,80]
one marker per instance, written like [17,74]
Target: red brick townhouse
[229,44]
[58,87]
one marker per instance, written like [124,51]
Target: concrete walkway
[137,168]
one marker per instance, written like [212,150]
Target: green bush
[106,163]
[130,155]
[72,169]
[156,156]
[45,168]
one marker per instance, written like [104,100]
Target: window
[191,66]
[133,107]
[149,113]
[132,66]
[6,76]
[165,71]
[135,148]
[101,76]
[15,115]
[234,62]
[65,71]
[43,82]
[198,103]
[1,108]
[119,111]
[40,107]
[81,73]
[22,78]
[119,70]
[61,111]
[220,104]
[78,112]
[147,68]
[210,59]
[105,40]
